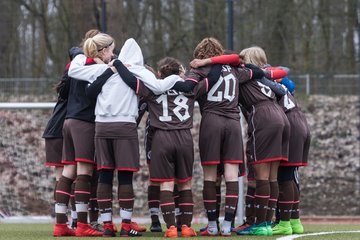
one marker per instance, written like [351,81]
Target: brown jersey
[172,110]
[222,98]
[299,141]
[287,102]
[254,92]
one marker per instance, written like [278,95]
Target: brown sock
[176,197]
[126,201]
[218,201]
[154,202]
[56,182]
[104,196]
[262,195]
[209,197]
[167,206]
[186,205]
[93,204]
[63,191]
[231,197]
[72,197]
[274,194]
[82,196]
[295,213]
[286,200]
[249,205]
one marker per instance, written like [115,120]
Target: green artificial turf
[44,231]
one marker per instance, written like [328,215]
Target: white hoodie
[117,102]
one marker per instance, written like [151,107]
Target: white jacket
[117,102]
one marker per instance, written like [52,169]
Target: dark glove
[214,74]
[251,66]
[258,73]
[215,71]
[117,62]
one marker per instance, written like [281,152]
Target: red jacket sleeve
[232,59]
[276,73]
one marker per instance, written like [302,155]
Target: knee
[106,176]
[184,186]
[85,168]
[69,171]
[125,177]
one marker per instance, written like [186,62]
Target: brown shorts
[269,132]
[220,140]
[53,150]
[117,146]
[299,139]
[172,156]
[78,142]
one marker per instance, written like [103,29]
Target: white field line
[314,234]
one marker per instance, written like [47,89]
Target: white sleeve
[157,86]
[78,70]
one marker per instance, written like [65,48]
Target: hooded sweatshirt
[117,102]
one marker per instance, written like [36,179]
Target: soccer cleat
[296,226]
[62,230]
[171,232]
[97,226]
[209,232]
[260,230]
[187,231]
[203,228]
[283,228]
[138,228]
[246,230]
[127,231]
[85,230]
[155,227]
[269,228]
[225,233]
[241,227]
[109,230]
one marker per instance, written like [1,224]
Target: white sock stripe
[106,217]
[60,208]
[81,207]
[154,211]
[125,214]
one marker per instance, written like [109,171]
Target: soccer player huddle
[93,131]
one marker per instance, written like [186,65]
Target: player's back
[222,98]
[172,110]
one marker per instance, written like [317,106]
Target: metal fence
[27,89]
[339,84]
[41,89]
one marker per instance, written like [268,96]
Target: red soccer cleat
[109,230]
[187,231]
[127,231]
[241,227]
[171,232]
[207,233]
[138,228]
[62,230]
[85,230]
